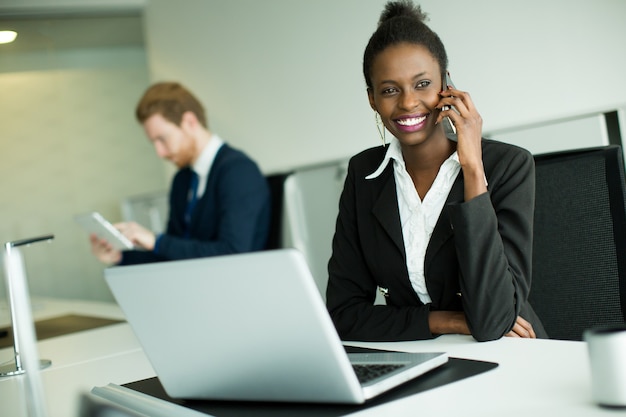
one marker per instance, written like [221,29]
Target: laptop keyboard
[366,373]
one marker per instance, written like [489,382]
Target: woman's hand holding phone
[458,106]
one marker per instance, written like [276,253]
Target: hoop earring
[380,127]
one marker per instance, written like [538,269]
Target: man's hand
[103,250]
[139,235]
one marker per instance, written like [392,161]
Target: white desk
[80,361]
[534,377]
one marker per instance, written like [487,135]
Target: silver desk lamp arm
[14,270]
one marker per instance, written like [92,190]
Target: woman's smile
[411,123]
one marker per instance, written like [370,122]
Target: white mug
[607,356]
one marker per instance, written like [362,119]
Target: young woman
[441,226]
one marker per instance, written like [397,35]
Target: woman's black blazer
[478,260]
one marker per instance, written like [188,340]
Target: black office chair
[579,250]
[276,184]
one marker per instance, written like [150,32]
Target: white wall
[282,79]
[69,144]
[29,6]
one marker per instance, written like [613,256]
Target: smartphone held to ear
[448,126]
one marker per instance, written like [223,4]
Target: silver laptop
[249,327]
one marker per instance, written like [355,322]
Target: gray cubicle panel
[572,133]
[311,205]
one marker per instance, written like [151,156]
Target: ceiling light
[7,36]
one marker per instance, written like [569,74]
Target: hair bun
[403,8]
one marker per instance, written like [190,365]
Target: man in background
[219,200]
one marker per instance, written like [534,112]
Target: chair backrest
[276,183]
[311,208]
[579,249]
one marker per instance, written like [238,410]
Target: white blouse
[418,218]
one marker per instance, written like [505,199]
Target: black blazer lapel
[385,208]
[443,231]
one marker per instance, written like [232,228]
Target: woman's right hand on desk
[522,328]
[103,250]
